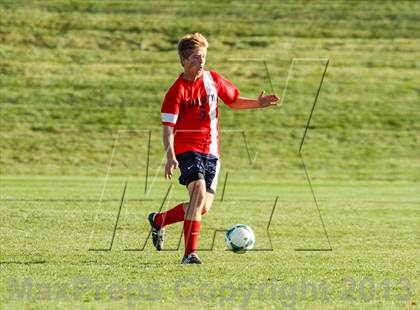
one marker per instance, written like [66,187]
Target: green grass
[76,75]
[373,228]
[73,74]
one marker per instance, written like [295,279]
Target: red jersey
[191,108]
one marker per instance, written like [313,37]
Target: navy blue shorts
[196,166]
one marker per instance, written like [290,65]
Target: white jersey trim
[169,118]
[212,98]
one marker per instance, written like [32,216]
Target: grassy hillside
[74,73]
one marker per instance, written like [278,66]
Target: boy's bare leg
[207,204]
[199,199]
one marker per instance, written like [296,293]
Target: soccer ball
[240,238]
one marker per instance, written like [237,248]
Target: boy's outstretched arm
[262,101]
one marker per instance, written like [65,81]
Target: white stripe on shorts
[213,184]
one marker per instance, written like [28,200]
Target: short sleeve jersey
[191,107]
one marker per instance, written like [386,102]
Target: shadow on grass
[35,262]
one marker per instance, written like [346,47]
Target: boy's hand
[267,101]
[171,165]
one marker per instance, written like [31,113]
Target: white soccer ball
[240,238]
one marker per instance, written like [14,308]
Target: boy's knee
[195,209]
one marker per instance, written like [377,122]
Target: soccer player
[189,116]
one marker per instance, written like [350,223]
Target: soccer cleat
[191,258]
[158,234]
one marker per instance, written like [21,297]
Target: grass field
[373,229]
[83,81]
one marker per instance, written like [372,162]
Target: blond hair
[190,43]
